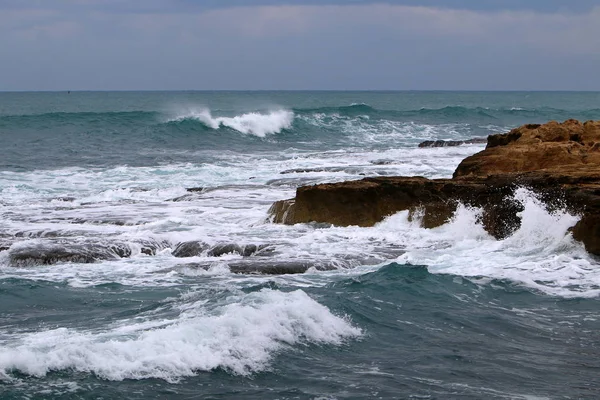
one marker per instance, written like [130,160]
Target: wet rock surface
[199,248]
[558,161]
[189,249]
[53,253]
[449,143]
[265,267]
[49,252]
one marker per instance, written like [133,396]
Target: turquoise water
[95,304]
[51,130]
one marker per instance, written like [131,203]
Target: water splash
[541,254]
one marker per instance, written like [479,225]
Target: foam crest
[540,254]
[240,337]
[252,123]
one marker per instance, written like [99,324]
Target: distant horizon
[302,90]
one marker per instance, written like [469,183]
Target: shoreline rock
[560,162]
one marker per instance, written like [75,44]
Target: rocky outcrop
[558,161]
[568,148]
[368,201]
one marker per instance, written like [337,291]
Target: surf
[241,335]
[252,123]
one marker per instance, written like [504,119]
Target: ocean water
[95,304]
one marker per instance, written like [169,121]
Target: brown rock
[368,201]
[283,212]
[559,161]
[552,147]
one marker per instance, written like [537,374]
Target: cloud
[77,44]
[568,33]
[166,6]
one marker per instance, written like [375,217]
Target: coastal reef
[559,162]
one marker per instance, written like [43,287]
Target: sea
[99,190]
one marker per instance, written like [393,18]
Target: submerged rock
[448,143]
[226,248]
[152,247]
[197,248]
[383,162]
[266,267]
[49,252]
[190,249]
[54,253]
[347,169]
[558,161]
[64,198]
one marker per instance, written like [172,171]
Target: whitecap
[241,337]
[253,123]
[541,254]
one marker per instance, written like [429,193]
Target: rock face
[368,201]
[558,161]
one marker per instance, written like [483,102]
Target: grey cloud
[176,6]
[299,47]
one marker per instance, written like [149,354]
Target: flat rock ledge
[560,162]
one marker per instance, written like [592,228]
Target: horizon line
[303,90]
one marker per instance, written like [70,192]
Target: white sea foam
[241,337]
[131,204]
[252,123]
[540,254]
[364,131]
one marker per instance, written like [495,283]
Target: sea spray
[540,254]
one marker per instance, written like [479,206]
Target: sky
[299,45]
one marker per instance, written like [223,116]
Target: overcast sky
[310,44]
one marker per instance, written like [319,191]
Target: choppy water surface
[94,303]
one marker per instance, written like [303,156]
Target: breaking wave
[541,254]
[253,123]
[273,121]
[241,337]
